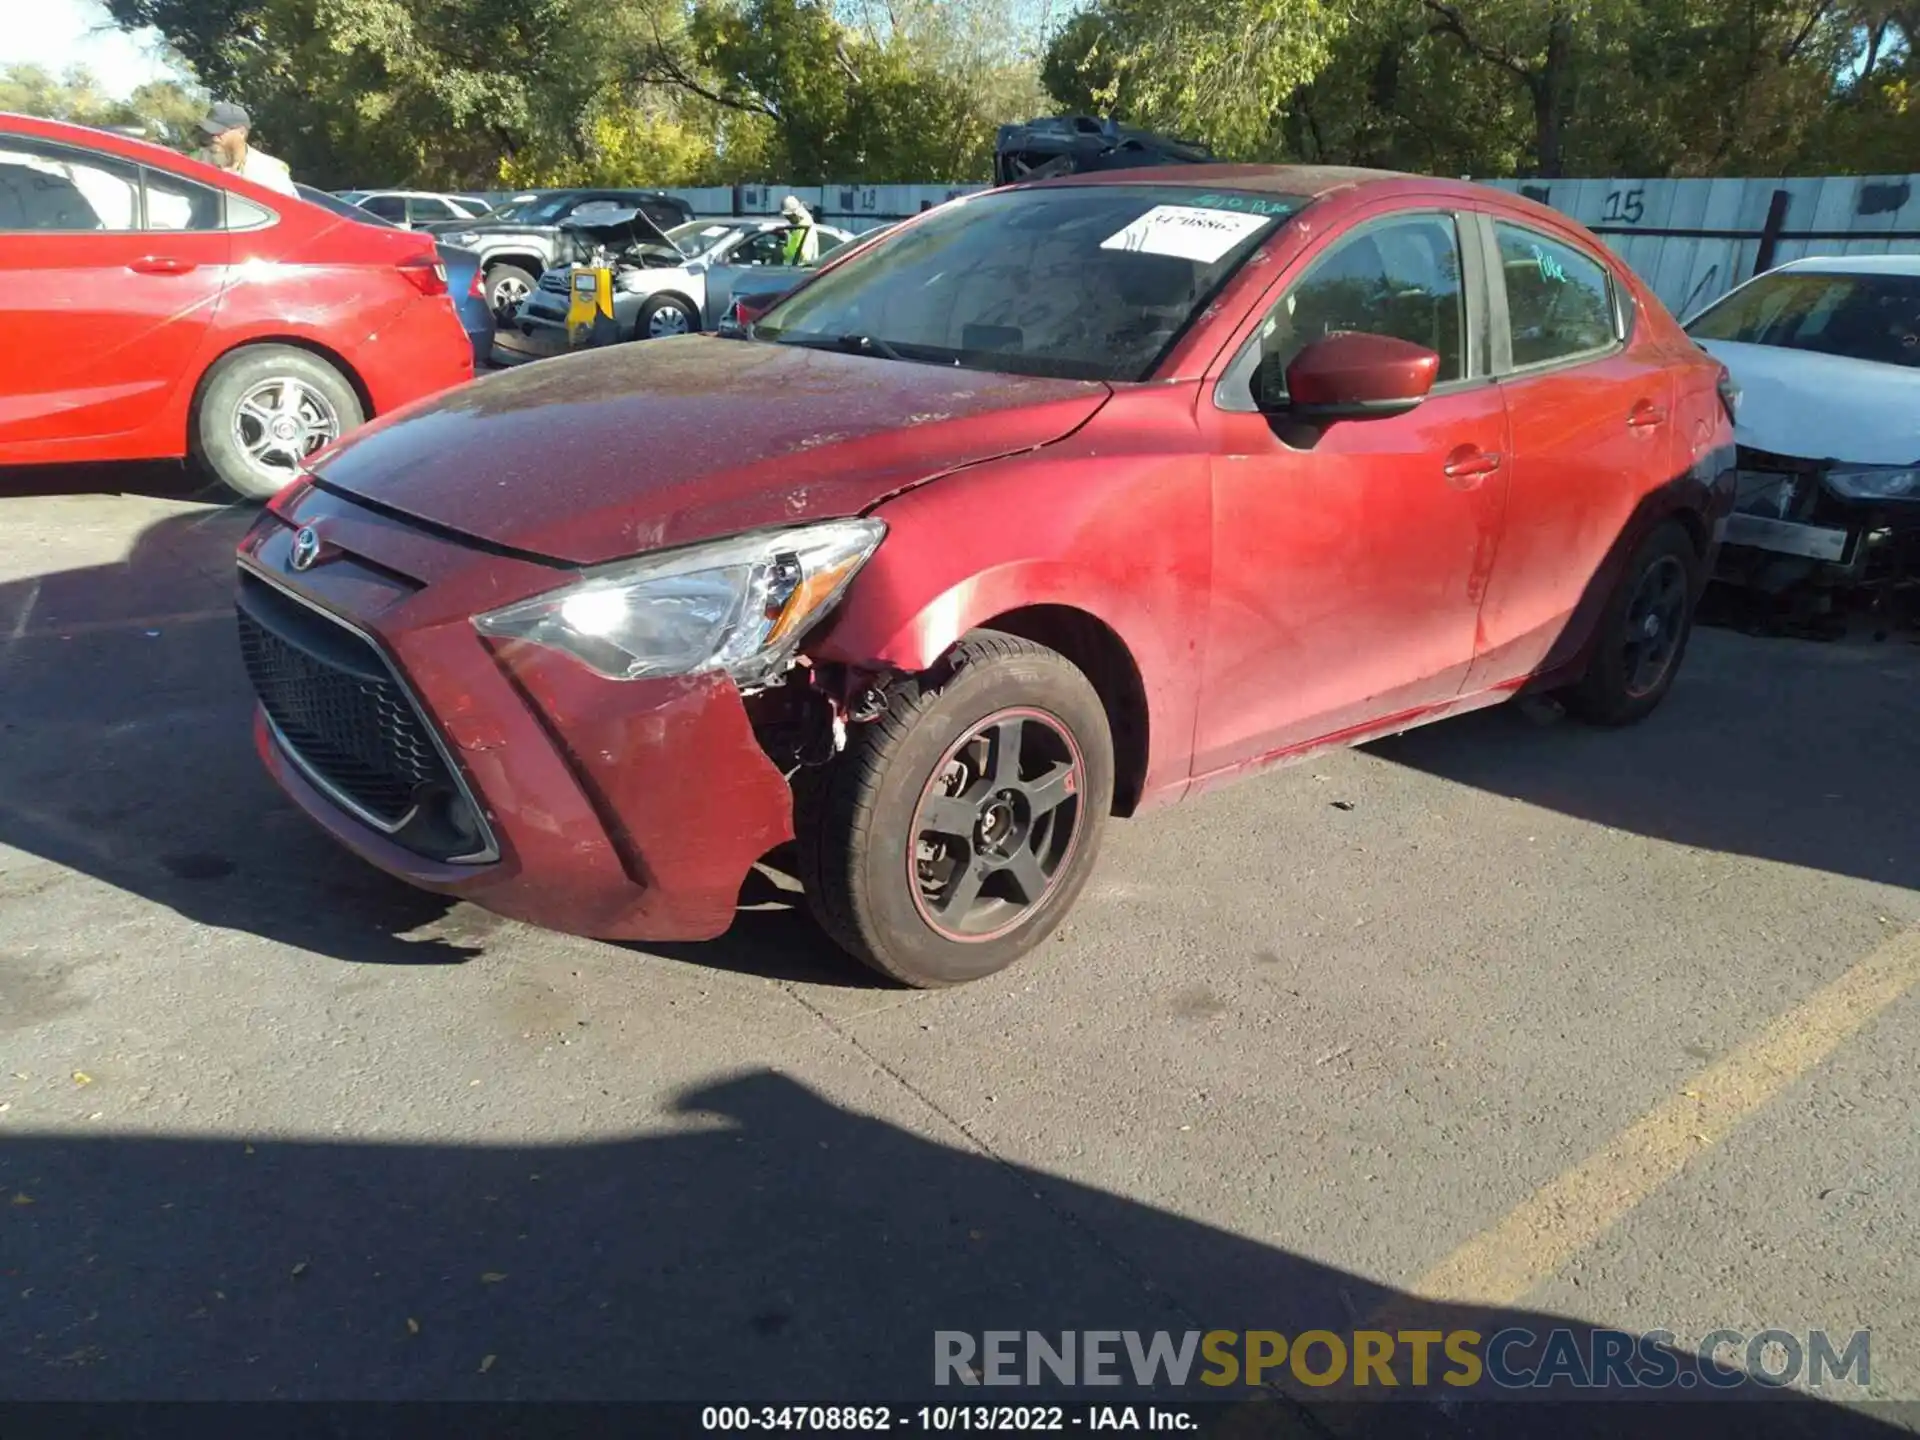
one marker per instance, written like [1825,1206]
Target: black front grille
[338,706]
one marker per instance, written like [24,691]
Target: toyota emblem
[306,547]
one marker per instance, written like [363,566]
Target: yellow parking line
[1538,1236]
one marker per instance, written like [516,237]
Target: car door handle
[161,265]
[1470,462]
[1645,415]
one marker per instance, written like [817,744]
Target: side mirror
[1358,377]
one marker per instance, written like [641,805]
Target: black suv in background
[520,240]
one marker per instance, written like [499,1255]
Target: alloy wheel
[996,825]
[280,422]
[509,293]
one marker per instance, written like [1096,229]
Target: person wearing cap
[803,240]
[226,127]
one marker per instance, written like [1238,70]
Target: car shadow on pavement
[771,1246]
[164,479]
[126,753]
[1779,749]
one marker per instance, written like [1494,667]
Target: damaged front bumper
[1790,526]
[618,810]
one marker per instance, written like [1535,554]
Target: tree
[1221,70]
[1545,87]
[162,110]
[839,103]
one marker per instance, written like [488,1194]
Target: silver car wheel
[669,319]
[509,291]
[279,422]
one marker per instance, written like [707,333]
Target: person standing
[803,240]
[227,127]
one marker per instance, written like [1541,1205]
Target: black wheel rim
[1655,622]
[997,824]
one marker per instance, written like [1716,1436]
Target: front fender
[1123,539]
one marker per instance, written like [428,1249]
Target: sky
[60,33]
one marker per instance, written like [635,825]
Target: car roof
[1309,181]
[1856,264]
[141,152]
[111,141]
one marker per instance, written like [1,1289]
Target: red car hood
[612,452]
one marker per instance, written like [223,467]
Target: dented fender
[1124,538]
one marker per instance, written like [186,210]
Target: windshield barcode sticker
[1182,231]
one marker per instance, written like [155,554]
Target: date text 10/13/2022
[939,1419]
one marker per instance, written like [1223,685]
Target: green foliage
[1220,70]
[1546,87]
[165,111]
[474,93]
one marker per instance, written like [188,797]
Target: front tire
[263,409]
[508,286]
[1642,635]
[956,831]
[665,316]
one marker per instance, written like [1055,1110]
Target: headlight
[1875,482]
[464,239]
[741,605]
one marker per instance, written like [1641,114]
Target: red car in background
[1058,502]
[153,307]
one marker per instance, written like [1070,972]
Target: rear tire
[263,409]
[1642,634]
[1010,745]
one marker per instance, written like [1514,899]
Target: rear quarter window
[1560,300]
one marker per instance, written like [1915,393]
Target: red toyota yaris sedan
[154,307]
[1059,502]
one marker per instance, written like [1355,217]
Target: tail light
[1729,394]
[425,273]
[478,287]
[745,312]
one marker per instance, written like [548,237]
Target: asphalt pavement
[1503,1016]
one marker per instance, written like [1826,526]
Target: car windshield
[1090,282]
[698,237]
[1862,316]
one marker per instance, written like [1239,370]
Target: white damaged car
[671,282]
[1825,355]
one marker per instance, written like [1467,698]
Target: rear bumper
[423,350]
[619,810]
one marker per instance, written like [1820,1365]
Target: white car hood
[1823,407]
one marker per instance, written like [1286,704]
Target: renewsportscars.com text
[1510,1359]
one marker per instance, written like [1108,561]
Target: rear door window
[1560,302]
[177,204]
[387,207]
